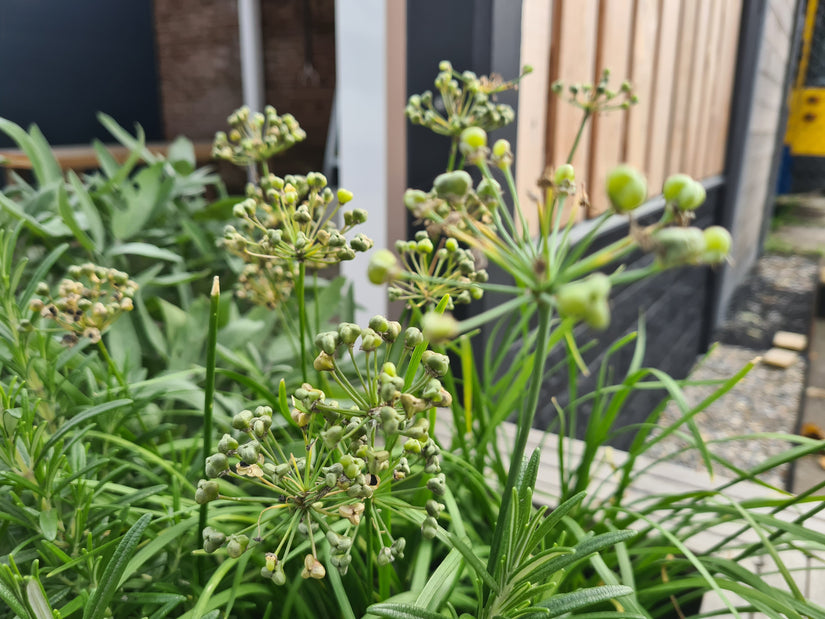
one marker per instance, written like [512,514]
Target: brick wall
[199,66]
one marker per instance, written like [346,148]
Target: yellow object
[805,135]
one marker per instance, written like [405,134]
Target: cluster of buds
[353,453]
[672,240]
[599,97]
[265,283]
[88,301]
[466,100]
[254,138]
[454,204]
[430,274]
[290,221]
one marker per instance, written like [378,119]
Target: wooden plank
[711,72]
[606,146]
[679,116]
[723,93]
[534,91]
[643,54]
[84,157]
[663,86]
[573,57]
[698,85]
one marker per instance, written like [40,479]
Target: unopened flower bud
[452,185]
[626,188]
[383,267]
[717,244]
[438,328]
[216,464]
[237,545]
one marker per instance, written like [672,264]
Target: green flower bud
[437,485]
[472,139]
[586,299]
[331,437]
[412,446]
[212,539]
[437,363]
[678,246]
[324,362]
[626,188]
[227,443]
[438,328]
[414,197]
[413,337]
[564,173]
[328,341]
[242,420]
[248,452]
[216,464]
[717,244]
[349,333]
[489,191]
[501,149]
[434,508]
[674,185]
[452,185]
[384,557]
[206,491]
[379,324]
[370,340]
[383,267]
[344,196]
[392,332]
[237,545]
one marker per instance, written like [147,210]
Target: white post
[370,83]
[252,65]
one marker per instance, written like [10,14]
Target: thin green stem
[302,317]
[453,152]
[579,133]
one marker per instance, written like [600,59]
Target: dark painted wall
[62,62]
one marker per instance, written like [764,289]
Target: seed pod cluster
[88,301]
[256,137]
[350,454]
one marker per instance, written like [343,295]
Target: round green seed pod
[678,246]
[564,173]
[383,267]
[626,188]
[452,185]
[717,244]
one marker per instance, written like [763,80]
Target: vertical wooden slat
[663,87]
[723,89]
[710,80]
[536,34]
[679,117]
[615,26]
[643,53]
[697,88]
[572,60]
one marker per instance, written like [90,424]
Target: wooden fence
[679,55]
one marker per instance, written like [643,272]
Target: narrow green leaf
[125,138]
[48,523]
[340,593]
[68,217]
[442,582]
[144,249]
[43,165]
[37,600]
[402,611]
[14,604]
[563,603]
[89,210]
[82,417]
[39,274]
[283,403]
[108,584]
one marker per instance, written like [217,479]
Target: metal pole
[252,65]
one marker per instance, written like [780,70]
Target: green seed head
[626,188]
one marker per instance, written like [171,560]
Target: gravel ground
[778,295]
